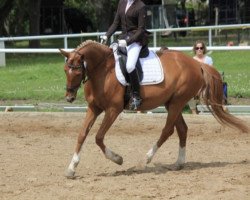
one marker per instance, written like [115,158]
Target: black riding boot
[135,86]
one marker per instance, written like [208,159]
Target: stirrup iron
[135,103]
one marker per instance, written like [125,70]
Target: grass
[236,68]
[36,78]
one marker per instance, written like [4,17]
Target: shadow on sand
[160,168]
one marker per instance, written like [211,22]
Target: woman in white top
[200,51]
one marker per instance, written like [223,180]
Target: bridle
[74,67]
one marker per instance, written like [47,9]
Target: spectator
[200,51]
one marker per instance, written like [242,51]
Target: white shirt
[208,60]
[129,3]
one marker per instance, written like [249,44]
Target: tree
[104,13]
[19,18]
[34,21]
[5,9]
[101,12]
[16,14]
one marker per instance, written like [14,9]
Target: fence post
[155,39]
[210,42]
[2,55]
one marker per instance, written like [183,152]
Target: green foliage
[86,7]
[18,19]
[99,12]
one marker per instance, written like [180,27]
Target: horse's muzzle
[70,99]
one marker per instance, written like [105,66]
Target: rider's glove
[104,39]
[122,43]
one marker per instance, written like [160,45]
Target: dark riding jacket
[132,22]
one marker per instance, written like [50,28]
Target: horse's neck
[102,80]
[99,64]
[98,60]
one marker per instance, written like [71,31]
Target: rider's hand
[122,43]
[104,39]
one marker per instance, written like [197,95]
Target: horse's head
[87,60]
[75,73]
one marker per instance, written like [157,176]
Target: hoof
[148,160]
[177,167]
[118,159]
[70,174]
[113,156]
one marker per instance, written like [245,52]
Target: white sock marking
[74,162]
[151,153]
[108,153]
[182,156]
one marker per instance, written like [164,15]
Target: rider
[131,15]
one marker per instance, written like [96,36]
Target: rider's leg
[133,52]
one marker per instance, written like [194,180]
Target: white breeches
[133,52]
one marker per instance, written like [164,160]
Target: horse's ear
[64,53]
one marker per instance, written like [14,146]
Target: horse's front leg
[89,120]
[109,118]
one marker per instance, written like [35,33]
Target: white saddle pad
[151,67]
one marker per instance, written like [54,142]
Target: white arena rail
[220,48]
[154,31]
[98,34]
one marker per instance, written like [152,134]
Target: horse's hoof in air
[70,174]
[113,157]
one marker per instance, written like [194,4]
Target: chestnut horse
[93,64]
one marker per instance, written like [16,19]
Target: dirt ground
[36,148]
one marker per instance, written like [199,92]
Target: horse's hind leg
[182,129]
[167,131]
[174,110]
[109,118]
[89,120]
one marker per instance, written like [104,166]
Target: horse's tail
[212,94]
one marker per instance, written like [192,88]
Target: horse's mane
[91,42]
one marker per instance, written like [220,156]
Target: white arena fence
[154,32]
